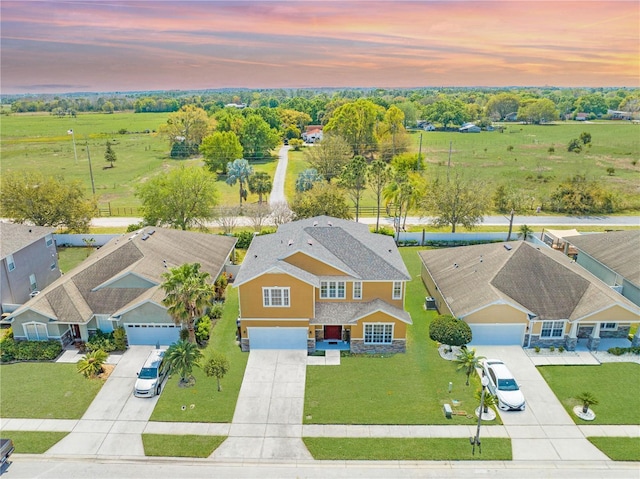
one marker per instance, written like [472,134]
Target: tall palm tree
[524,232]
[182,357]
[260,183]
[468,361]
[188,292]
[239,171]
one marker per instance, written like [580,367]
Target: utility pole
[449,163]
[73,137]
[420,152]
[93,186]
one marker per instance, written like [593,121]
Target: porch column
[594,338]
[572,340]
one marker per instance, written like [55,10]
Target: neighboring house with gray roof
[29,263]
[120,285]
[323,283]
[517,293]
[614,257]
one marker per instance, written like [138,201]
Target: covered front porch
[332,337]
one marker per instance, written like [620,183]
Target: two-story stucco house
[323,283]
[29,263]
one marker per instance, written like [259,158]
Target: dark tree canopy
[448,330]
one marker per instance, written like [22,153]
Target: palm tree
[260,183]
[587,400]
[239,171]
[91,363]
[182,356]
[489,399]
[188,293]
[525,231]
[468,361]
[307,179]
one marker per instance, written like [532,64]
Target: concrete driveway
[112,424]
[544,430]
[267,423]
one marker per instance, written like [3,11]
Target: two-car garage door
[497,334]
[277,338]
[150,334]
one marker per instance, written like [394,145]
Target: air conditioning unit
[430,303]
[33,294]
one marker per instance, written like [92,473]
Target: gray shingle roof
[617,250]
[14,237]
[541,281]
[345,245]
[351,312]
[79,294]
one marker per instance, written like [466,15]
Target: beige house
[120,285]
[323,283]
[517,293]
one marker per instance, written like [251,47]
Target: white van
[152,374]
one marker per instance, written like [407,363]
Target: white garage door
[497,334]
[151,334]
[277,338]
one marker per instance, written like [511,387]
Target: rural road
[277,189]
[561,221]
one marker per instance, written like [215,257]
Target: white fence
[82,240]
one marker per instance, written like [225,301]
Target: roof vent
[507,247]
[329,223]
[290,242]
[34,294]
[315,223]
[309,242]
[164,262]
[145,237]
[150,232]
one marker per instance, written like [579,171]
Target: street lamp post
[475,440]
[93,186]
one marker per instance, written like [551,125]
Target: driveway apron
[112,424]
[544,430]
[267,423]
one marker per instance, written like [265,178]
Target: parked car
[152,375]
[6,449]
[503,385]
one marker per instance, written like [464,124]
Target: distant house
[425,125]
[581,116]
[120,285]
[614,257]
[239,106]
[511,116]
[29,263]
[469,128]
[515,293]
[619,115]
[312,134]
[323,283]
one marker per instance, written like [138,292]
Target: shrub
[216,310]
[551,149]
[203,330]
[12,350]
[510,148]
[561,349]
[120,338]
[448,330]
[244,239]
[585,137]
[91,363]
[184,334]
[552,349]
[611,171]
[574,145]
[386,231]
[101,341]
[618,351]
[537,349]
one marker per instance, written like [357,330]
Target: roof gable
[14,237]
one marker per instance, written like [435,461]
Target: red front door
[75,331]
[333,333]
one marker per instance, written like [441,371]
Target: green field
[39,142]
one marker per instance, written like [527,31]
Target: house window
[36,331]
[53,266]
[552,329]
[357,290]
[397,290]
[378,333]
[11,265]
[275,297]
[48,240]
[332,290]
[32,282]
[608,326]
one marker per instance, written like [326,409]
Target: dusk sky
[65,46]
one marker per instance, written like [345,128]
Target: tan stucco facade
[301,296]
[266,323]
[312,265]
[497,313]
[399,327]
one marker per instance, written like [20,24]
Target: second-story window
[357,290]
[11,264]
[332,290]
[275,297]
[397,290]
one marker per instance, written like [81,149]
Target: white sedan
[503,385]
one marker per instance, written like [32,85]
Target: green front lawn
[168,445]
[408,388]
[407,449]
[45,390]
[203,402]
[33,442]
[615,386]
[618,448]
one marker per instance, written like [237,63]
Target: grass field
[618,448]
[614,385]
[45,390]
[39,142]
[34,442]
